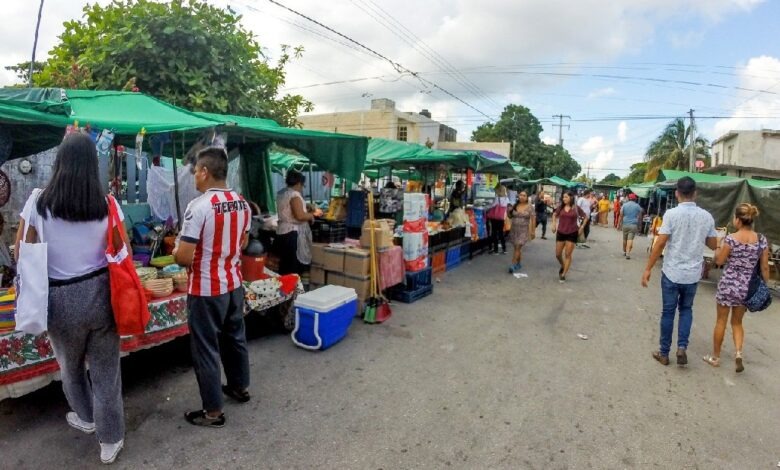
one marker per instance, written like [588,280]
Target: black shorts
[566,237]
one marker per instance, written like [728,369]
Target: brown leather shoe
[682,358]
[664,360]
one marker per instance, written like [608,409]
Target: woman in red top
[567,223]
[616,211]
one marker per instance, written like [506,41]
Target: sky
[621,69]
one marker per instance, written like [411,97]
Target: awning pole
[311,184]
[176,179]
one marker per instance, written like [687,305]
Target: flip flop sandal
[241,396]
[711,360]
[201,418]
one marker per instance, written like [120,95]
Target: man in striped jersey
[212,237]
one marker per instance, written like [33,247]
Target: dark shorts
[566,237]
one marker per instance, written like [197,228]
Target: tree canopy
[520,127]
[186,52]
[610,179]
[671,149]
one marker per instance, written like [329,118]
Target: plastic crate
[324,231]
[465,251]
[439,261]
[417,280]
[354,232]
[453,258]
[409,297]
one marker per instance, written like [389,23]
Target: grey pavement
[488,372]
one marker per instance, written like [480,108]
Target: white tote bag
[32,278]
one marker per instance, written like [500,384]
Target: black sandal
[241,396]
[201,418]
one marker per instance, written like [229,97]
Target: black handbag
[758,297]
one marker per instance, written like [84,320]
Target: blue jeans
[676,296]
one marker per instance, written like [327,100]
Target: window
[402,133]
[730,154]
[717,154]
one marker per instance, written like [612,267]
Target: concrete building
[747,154]
[383,120]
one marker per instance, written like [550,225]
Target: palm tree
[671,149]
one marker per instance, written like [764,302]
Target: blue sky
[484,45]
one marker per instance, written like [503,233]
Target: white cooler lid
[326,298]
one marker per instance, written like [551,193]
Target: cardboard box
[334,259]
[335,278]
[357,262]
[383,235]
[317,275]
[318,253]
[361,284]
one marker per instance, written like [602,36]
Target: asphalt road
[488,372]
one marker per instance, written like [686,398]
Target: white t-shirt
[74,248]
[584,204]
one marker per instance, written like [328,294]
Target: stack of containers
[415,232]
[356,213]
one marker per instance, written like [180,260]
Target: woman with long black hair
[71,215]
[566,228]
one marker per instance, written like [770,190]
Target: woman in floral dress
[741,250]
[523,228]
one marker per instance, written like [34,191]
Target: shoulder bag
[758,296]
[128,300]
[32,278]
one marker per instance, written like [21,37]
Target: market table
[27,362]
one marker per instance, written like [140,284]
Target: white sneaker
[109,452]
[77,423]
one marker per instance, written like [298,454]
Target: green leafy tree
[610,179]
[636,175]
[22,71]
[186,52]
[520,127]
[671,149]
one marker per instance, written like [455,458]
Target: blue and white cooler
[323,316]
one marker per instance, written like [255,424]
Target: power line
[398,67]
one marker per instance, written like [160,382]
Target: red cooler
[253,268]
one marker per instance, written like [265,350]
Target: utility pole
[35,43]
[692,159]
[588,175]
[560,127]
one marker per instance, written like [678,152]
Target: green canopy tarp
[720,196]
[340,154]
[557,181]
[383,153]
[642,190]
[37,117]
[282,162]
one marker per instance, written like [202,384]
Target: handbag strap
[33,212]
[112,220]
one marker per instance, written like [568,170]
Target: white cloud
[549,140]
[593,145]
[686,40]
[601,92]
[760,73]
[622,131]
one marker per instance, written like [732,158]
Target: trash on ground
[581,336]
[520,275]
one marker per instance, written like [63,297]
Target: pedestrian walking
[616,211]
[586,205]
[523,228]
[496,215]
[214,233]
[540,207]
[603,210]
[629,218]
[71,215]
[685,231]
[294,238]
[741,251]
[568,222]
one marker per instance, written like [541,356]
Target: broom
[377,309]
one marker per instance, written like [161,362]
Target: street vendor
[294,237]
[458,196]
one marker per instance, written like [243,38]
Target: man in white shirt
[684,232]
[584,202]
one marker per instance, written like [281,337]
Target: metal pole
[311,184]
[176,179]
[692,159]
[35,43]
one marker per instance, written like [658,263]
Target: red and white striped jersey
[215,222]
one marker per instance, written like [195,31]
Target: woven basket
[146,274]
[159,287]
